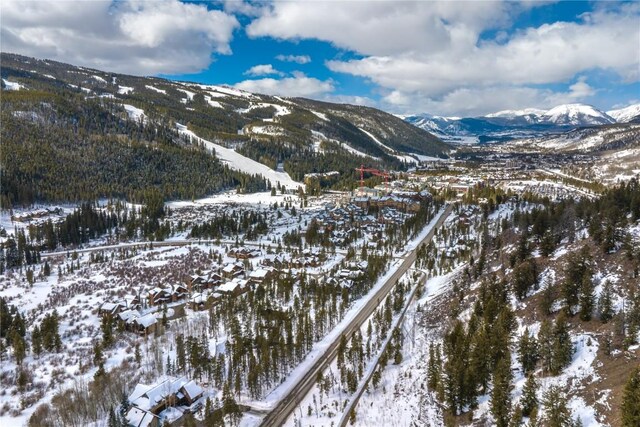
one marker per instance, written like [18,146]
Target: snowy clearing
[244,164]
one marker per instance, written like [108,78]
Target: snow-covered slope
[517,113]
[576,115]
[625,115]
[612,137]
[237,161]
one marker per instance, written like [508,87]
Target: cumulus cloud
[426,55]
[297,85]
[262,70]
[547,54]
[299,59]
[478,101]
[380,28]
[136,37]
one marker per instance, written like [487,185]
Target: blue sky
[460,58]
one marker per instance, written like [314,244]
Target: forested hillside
[554,287]
[71,134]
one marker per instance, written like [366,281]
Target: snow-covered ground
[12,85]
[244,164]
[155,89]
[136,114]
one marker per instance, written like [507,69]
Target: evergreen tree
[562,345]
[19,347]
[586,298]
[524,278]
[434,367]
[578,267]
[529,399]
[106,324]
[630,407]
[528,354]
[555,409]
[605,303]
[46,269]
[547,300]
[547,244]
[500,395]
[36,341]
[545,345]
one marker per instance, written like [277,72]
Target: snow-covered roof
[140,418]
[128,314]
[192,390]
[146,320]
[259,274]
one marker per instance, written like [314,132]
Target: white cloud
[136,37]
[477,101]
[379,28]
[262,70]
[581,89]
[298,85]
[239,7]
[431,54]
[299,59]
[548,54]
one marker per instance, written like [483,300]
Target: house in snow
[133,321]
[243,253]
[235,287]
[261,274]
[233,270]
[166,400]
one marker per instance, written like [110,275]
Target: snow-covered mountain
[527,112]
[507,125]
[576,115]
[627,114]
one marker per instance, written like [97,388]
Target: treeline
[250,223]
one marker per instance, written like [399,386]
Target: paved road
[278,416]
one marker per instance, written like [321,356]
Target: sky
[452,58]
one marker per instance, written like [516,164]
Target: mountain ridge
[526,123]
[98,110]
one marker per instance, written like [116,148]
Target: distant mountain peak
[517,113]
[577,114]
[626,114]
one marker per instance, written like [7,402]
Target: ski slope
[237,161]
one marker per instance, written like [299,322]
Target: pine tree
[19,347]
[524,277]
[562,345]
[529,399]
[586,298]
[433,369]
[46,269]
[555,410]
[547,244]
[545,345]
[605,303]
[36,341]
[547,300]
[500,395]
[630,407]
[528,354]
[578,266]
